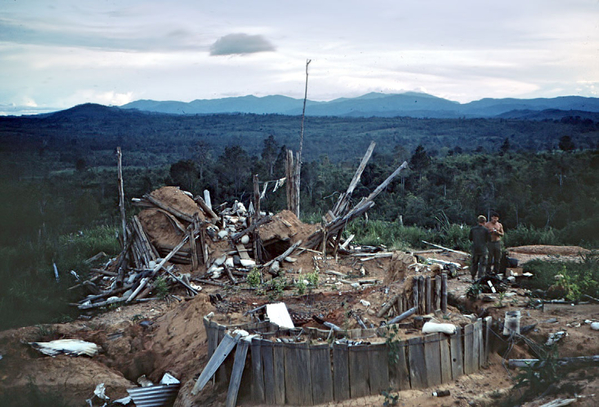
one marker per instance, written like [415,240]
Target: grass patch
[578,279]
[30,293]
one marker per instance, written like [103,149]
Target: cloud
[240,44]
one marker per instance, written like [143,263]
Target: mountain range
[412,104]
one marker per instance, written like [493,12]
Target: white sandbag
[432,327]
[73,347]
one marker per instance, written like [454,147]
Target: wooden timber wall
[302,373]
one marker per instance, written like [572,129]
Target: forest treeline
[59,201]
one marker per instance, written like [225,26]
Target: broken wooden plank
[404,315]
[217,359]
[343,200]
[205,207]
[237,372]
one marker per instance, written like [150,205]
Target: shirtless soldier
[494,245]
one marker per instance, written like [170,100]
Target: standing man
[496,230]
[480,237]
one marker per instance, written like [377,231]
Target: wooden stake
[121,195]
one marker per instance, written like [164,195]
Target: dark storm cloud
[240,44]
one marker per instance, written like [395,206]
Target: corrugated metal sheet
[155,396]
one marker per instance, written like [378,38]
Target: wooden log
[285,253]
[322,377]
[469,361]
[238,367]
[298,381]
[256,199]
[340,372]
[415,297]
[457,355]
[403,316]
[168,208]
[250,228]
[359,378]
[385,309]
[421,296]
[341,204]
[219,356]
[390,178]
[193,246]
[207,209]
[444,348]
[416,360]
[180,281]
[444,293]
[158,267]
[437,292]
[121,194]
[432,356]
[279,373]
[429,295]
[378,361]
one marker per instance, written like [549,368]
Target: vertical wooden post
[121,194]
[429,291]
[444,293]
[193,244]
[290,188]
[421,297]
[415,292]
[437,292]
[256,199]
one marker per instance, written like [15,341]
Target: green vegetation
[578,279]
[59,200]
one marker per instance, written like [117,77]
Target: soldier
[480,237]
[494,246]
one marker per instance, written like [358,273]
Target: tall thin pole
[122,195]
[299,155]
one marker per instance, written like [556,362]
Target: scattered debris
[71,347]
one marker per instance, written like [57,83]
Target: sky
[60,53]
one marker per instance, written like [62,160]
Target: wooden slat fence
[305,373]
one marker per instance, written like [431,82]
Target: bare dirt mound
[178,200]
[545,252]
